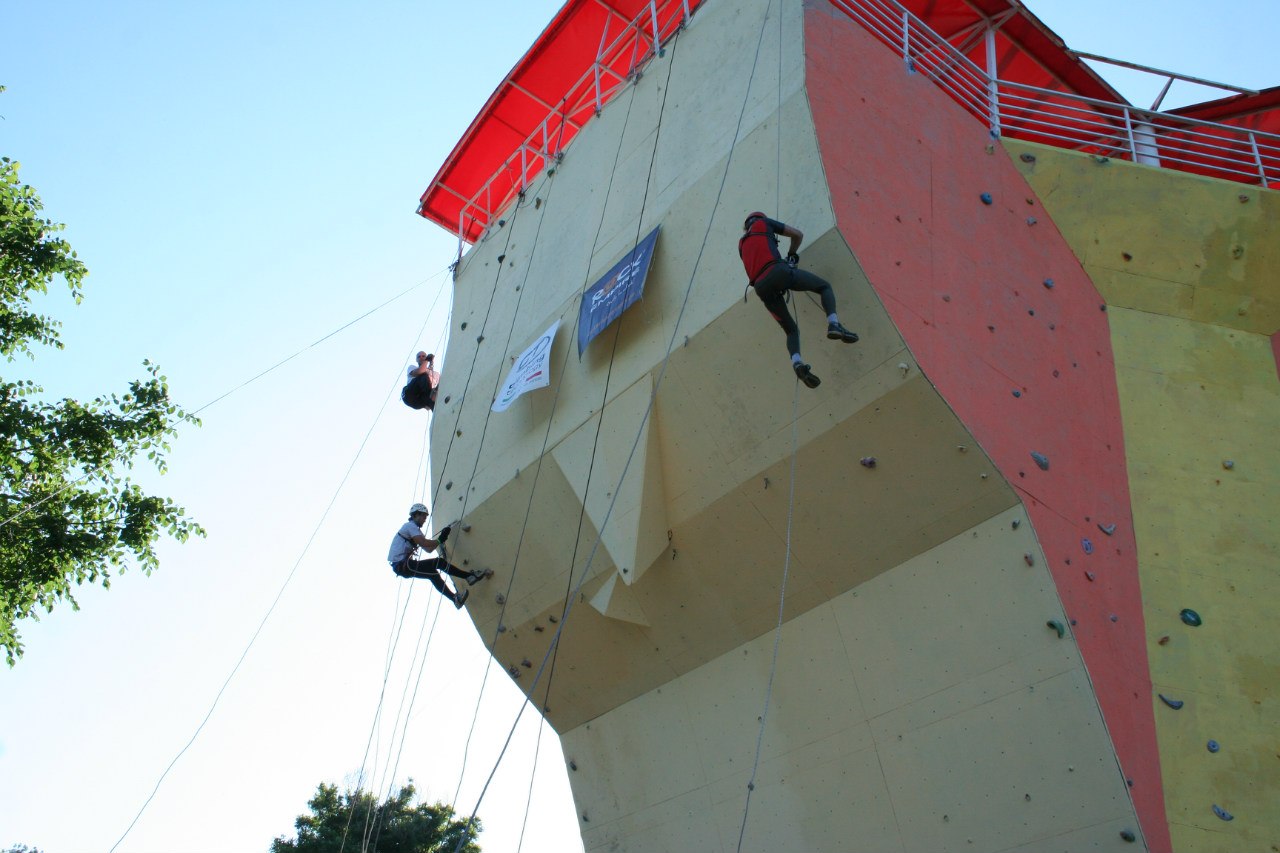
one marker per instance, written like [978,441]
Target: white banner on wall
[531,370]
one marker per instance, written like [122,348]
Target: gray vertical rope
[555,639]
[782,600]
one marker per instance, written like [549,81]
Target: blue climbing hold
[1017,393]
[1190,617]
[1175,704]
[986,198]
[1048,283]
[1213,746]
[1057,626]
[1087,546]
[1041,460]
[1223,813]
[1107,528]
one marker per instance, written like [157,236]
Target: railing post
[1142,141]
[686,10]
[906,37]
[600,58]
[1257,158]
[653,16]
[993,90]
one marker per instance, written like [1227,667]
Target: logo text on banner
[531,370]
[617,291]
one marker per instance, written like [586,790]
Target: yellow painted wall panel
[1139,229]
[1190,269]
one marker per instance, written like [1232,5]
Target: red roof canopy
[1046,94]
[581,59]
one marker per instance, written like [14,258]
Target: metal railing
[623,52]
[1067,120]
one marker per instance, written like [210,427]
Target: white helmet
[417,508]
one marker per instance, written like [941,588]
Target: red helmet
[755,214]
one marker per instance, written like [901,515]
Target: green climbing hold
[1057,626]
[1190,617]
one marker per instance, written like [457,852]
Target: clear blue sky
[240,179]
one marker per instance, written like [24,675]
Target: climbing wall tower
[1056,433]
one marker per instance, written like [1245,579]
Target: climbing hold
[573,765]
[1126,256]
[464,325]
[1243,198]
[1108,529]
[984,476]
[1098,158]
[1017,393]
[448,485]
[1190,617]
[1127,835]
[448,398]
[986,198]
[1114,618]
[1057,626]
[1164,641]
[502,629]
[1175,704]
[500,598]
[1048,283]
[1212,746]
[751,786]
[1031,312]
[1026,797]
[538,629]
[1017,522]
[466,528]
[526,664]
[964,449]
[1027,158]
[1087,546]
[1237,251]
[553,620]
[1223,813]
[946,298]
[1031,220]
[480,339]
[991,328]
[1029,558]
[903,366]
[501,258]
[1228,464]
[1090,576]
[1102,307]
[513,671]
[867,462]
[1041,460]
[502,223]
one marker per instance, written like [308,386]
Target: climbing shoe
[837,332]
[475,577]
[805,375]
[461,598]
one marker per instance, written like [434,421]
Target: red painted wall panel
[964,281]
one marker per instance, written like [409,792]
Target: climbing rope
[270,610]
[782,600]
[617,333]
[171,422]
[555,639]
[791,503]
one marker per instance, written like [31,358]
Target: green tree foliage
[69,512]
[356,822]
